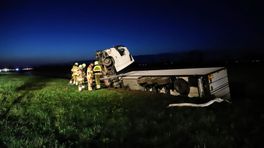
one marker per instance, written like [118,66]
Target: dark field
[37,111]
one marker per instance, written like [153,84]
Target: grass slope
[47,112]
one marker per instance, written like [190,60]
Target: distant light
[17,69]
[27,69]
[0,70]
[5,69]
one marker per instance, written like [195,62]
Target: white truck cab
[115,59]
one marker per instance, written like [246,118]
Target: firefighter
[74,71]
[90,77]
[81,77]
[97,73]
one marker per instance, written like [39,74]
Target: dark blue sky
[43,31]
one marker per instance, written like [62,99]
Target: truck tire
[182,86]
[162,80]
[108,61]
[167,90]
[154,89]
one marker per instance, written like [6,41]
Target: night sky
[42,31]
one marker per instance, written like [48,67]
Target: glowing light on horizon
[27,68]
[5,69]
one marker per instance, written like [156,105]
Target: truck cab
[114,59]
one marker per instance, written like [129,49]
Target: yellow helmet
[84,65]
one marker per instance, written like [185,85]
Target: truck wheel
[147,88]
[182,86]
[155,89]
[107,61]
[167,90]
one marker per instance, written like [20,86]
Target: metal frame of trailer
[207,82]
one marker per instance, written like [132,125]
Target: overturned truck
[193,82]
[113,60]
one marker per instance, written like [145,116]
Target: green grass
[47,112]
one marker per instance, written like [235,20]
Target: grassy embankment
[38,111]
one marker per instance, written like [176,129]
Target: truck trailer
[191,82]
